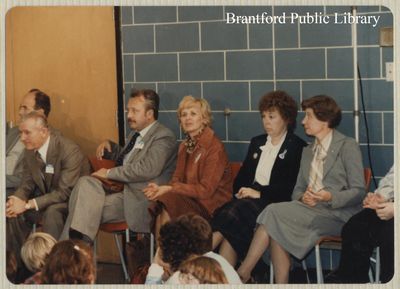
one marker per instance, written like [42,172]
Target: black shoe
[333,278]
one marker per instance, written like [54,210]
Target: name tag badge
[49,169]
[139,145]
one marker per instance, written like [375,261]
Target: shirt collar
[326,141]
[44,148]
[144,131]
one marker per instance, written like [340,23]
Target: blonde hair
[205,269]
[190,101]
[35,250]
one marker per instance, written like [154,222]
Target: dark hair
[69,262]
[283,103]
[179,239]
[151,97]
[325,109]
[42,101]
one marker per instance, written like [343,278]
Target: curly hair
[189,101]
[186,236]
[283,103]
[69,262]
[325,109]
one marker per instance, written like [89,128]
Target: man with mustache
[148,156]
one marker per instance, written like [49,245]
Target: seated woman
[328,191]
[268,175]
[202,179]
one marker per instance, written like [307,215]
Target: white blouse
[267,160]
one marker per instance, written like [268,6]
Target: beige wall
[69,53]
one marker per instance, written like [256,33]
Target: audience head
[35,250]
[201,270]
[324,108]
[142,108]
[279,104]
[34,130]
[11,266]
[194,114]
[69,262]
[184,237]
[35,100]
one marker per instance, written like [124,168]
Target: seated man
[34,100]
[149,156]
[52,166]
[366,230]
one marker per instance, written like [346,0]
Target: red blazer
[205,174]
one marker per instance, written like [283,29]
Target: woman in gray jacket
[328,191]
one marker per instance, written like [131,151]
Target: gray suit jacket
[69,164]
[154,162]
[12,137]
[343,176]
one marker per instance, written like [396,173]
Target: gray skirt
[296,226]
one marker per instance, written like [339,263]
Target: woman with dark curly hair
[328,191]
[268,175]
[184,238]
[69,262]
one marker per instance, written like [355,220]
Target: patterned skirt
[236,221]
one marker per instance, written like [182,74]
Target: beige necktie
[317,169]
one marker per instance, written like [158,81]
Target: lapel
[307,156]
[35,170]
[334,148]
[12,138]
[283,151]
[51,159]
[145,140]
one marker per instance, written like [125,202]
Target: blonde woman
[201,270]
[202,179]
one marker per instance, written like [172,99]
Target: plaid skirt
[236,221]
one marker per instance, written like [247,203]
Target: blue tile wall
[201,66]
[220,36]
[300,64]
[191,50]
[221,95]
[340,63]
[250,65]
[177,37]
[173,92]
[156,67]
[341,90]
[188,13]
[154,14]
[138,39]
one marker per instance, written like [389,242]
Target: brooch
[282,155]
[255,155]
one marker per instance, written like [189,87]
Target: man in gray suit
[52,165]
[149,156]
[34,100]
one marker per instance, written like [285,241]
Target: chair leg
[320,278]
[271,273]
[304,265]
[378,266]
[121,255]
[151,247]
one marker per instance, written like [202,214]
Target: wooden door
[69,53]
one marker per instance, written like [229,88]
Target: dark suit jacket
[284,171]
[69,164]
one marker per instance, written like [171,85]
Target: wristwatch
[28,206]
